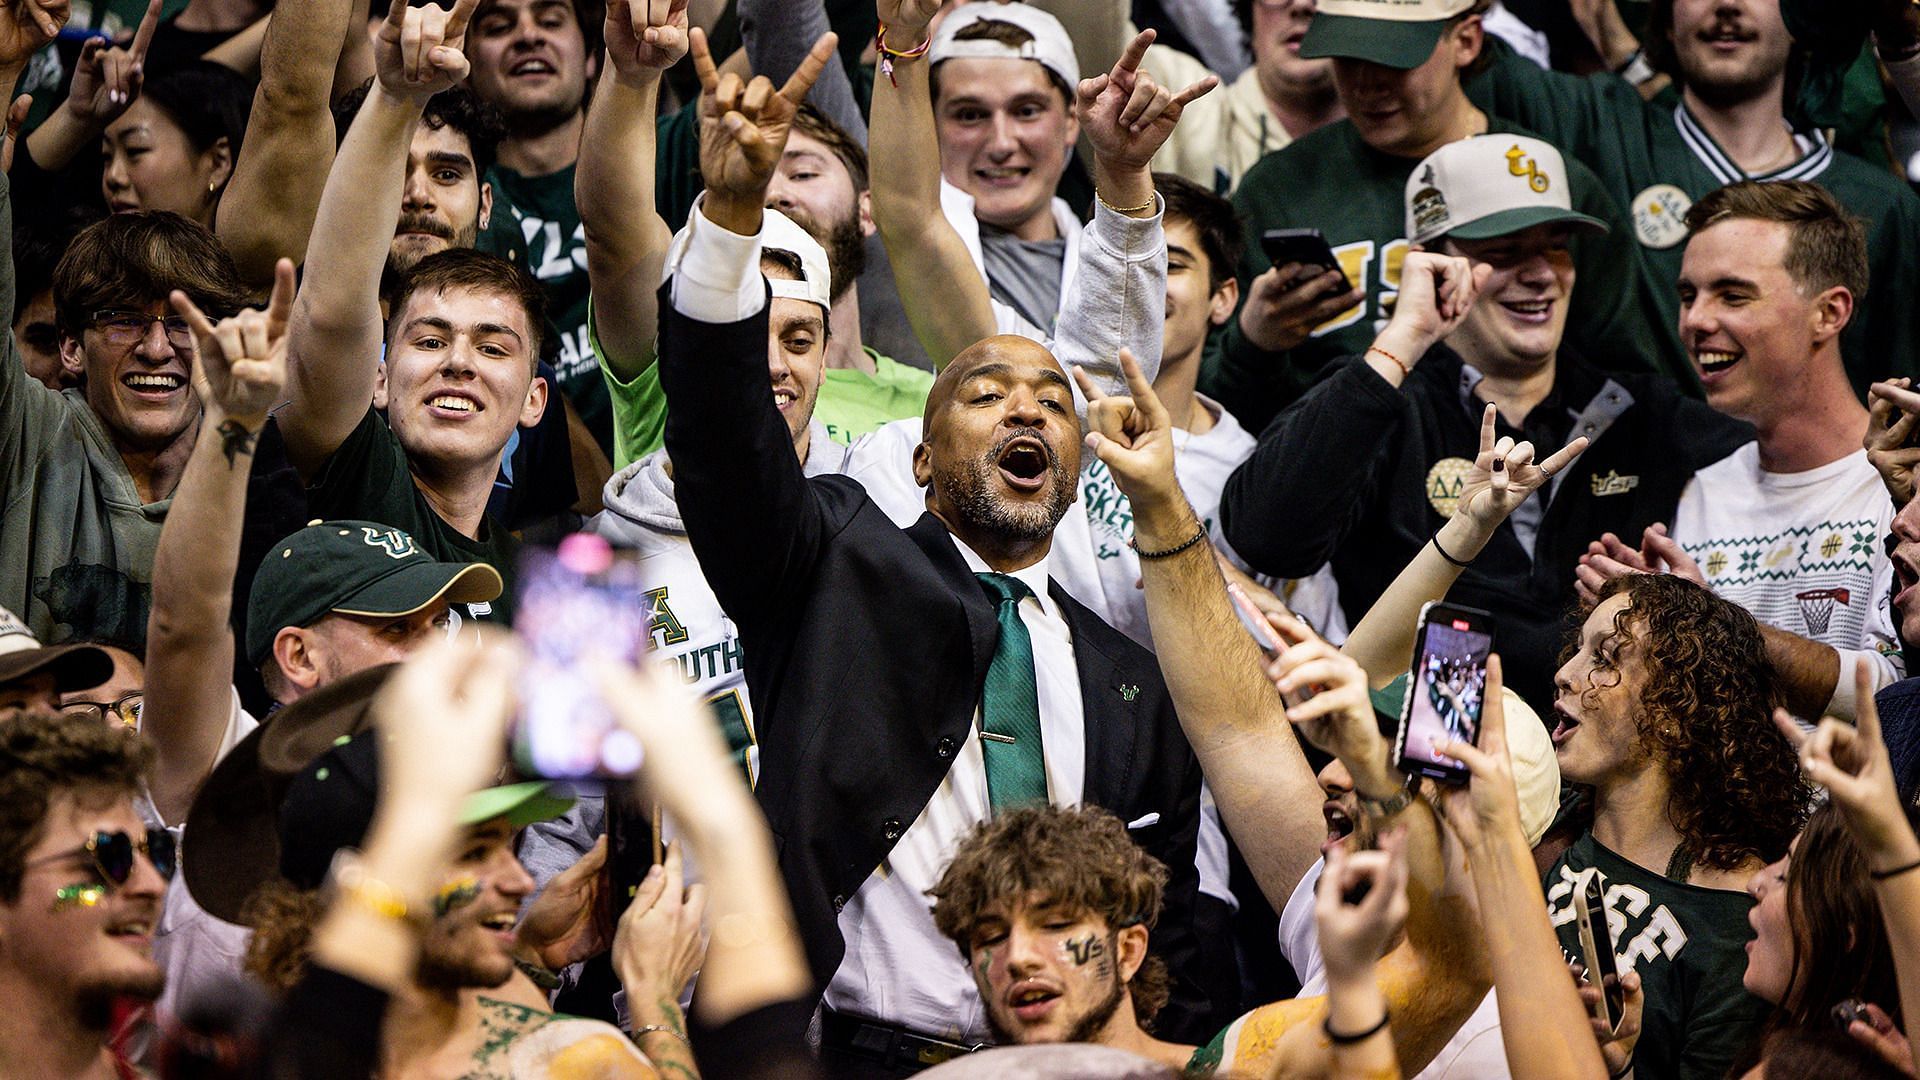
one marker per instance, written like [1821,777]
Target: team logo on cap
[397,544]
[1429,207]
[1660,215]
[1519,164]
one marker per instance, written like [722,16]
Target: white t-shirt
[1475,1052]
[1802,551]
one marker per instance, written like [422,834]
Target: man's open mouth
[454,403]
[1339,824]
[532,66]
[1715,361]
[152,382]
[1530,311]
[1025,462]
[1032,1003]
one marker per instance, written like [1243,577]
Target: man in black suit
[906,682]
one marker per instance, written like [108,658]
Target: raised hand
[658,946]
[908,18]
[1891,435]
[1125,114]
[1338,716]
[108,77]
[563,925]
[744,125]
[1489,804]
[1851,762]
[1360,904]
[1504,474]
[240,364]
[645,42]
[442,719]
[420,51]
[1132,436]
[26,26]
[686,769]
[1436,292]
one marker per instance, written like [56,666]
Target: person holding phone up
[1365,468]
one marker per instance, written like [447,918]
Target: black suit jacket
[866,649]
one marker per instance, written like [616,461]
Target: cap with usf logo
[1488,186]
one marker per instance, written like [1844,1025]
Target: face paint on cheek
[1083,950]
[87,894]
[455,894]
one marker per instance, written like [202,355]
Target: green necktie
[1010,704]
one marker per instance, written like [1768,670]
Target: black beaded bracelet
[1348,1040]
[1444,554]
[1198,535]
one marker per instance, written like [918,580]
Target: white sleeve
[1300,937]
[1117,298]
[715,272]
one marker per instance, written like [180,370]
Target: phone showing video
[1596,944]
[578,606]
[1307,247]
[1445,690]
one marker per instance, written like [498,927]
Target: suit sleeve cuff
[715,272]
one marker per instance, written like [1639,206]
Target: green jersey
[537,215]
[1332,180]
[1656,160]
[1689,945]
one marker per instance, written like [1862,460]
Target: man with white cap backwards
[1398,68]
[1364,468]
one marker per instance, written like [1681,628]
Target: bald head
[1010,350]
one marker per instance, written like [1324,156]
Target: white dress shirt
[898,968]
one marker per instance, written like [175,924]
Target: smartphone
[1596,943]
[1444,691]
[1263,634]
[633,847]
[577,606]
[1305,246]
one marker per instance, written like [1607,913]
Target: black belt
[888,1044]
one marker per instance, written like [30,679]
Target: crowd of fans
[1030,436]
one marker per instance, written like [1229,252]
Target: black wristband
[1882,875]
[1199,534]
[1624,1070]
[1348,1040]
[1444,554]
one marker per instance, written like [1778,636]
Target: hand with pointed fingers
[1133,435]
[1852,763]
[1360,904]
[108,77]
[1893,428]
[1884,1037]
[240,363]
[1504,474]
[1338,716]
[1286,302]
[1436,292]
[1488,805]
[744,124]
[1125,114]
[26,26]
[563,924]
[1664,555]
[1616,1046]
[420,51]
[658,947]
[442,719]
[645,37]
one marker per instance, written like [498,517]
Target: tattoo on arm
[235,440]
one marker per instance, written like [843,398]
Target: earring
[212,187]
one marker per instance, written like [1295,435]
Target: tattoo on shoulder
[235,440]
[502,1022]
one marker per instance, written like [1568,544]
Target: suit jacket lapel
[931,534]
[1108,698]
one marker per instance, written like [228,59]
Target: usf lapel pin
[1128,693]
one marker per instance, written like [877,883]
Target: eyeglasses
[112,854]
[129,327]
[126,708]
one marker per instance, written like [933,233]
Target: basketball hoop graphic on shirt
[1816,608]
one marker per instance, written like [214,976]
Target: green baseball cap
[1393,33]
[353,568]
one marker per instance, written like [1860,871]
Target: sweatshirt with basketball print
[1802,551]
[1656,159]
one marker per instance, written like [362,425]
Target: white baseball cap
[1487,186]
[777,233]
[1394,33]
[1051,48]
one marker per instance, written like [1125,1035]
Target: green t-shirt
[851,404]
[1332,180]
[1689,945]
[1656,160]
[367,478]
[537,215]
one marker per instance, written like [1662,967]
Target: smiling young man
[1732,61]
[1790,526]
[1398,69]
[1362,470]
[461,341]
[80,888]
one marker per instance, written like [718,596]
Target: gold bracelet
[1128,210]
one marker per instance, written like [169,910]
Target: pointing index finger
[143,36]
[810,68]
[197,319]
[280,305]
[703,61]
[1136,51]
[1087,386]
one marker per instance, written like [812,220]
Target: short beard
[967,485]
[1083,1030]
[442,969]
[96,998]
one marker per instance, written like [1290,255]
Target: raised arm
[336,334]
[268,208]
[106,79]
[613,186]
[904,155]
[775,34]
[240,369]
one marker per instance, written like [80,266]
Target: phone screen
[578,605]
[1445,691]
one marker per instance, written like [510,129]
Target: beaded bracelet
[1198,535]
[888,56]
[1406,372]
